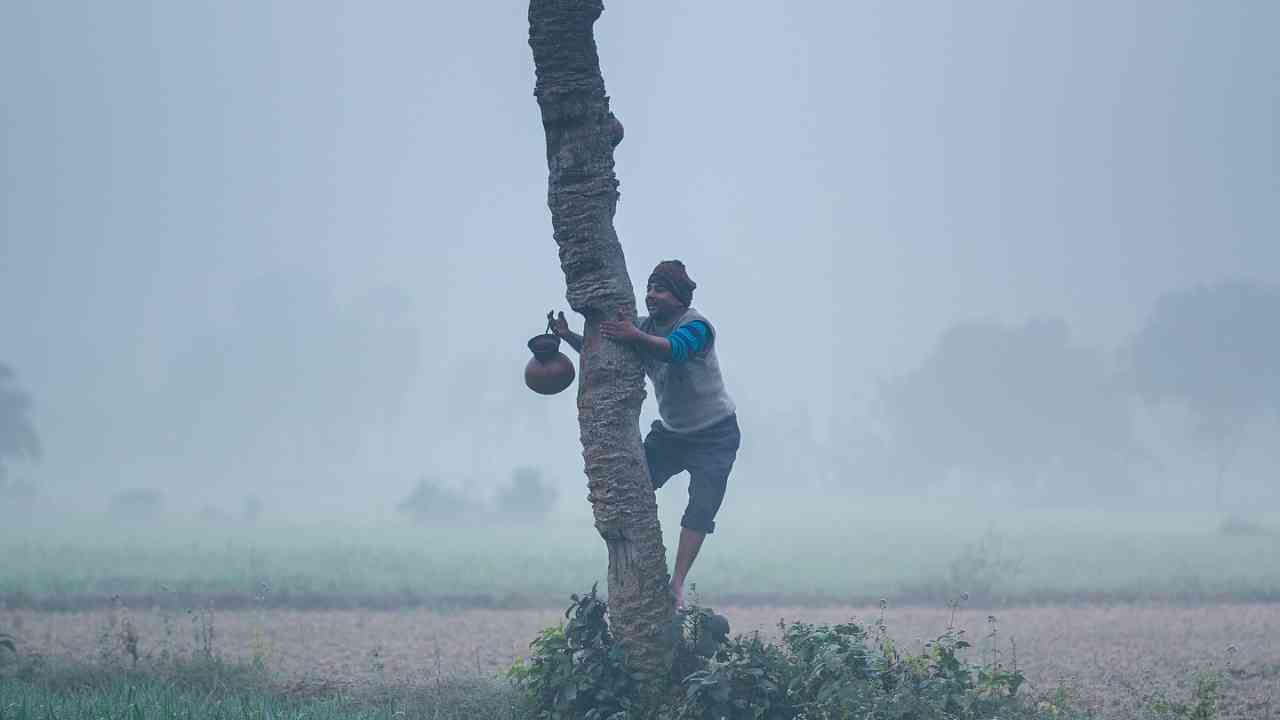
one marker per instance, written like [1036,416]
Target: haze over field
[294,251]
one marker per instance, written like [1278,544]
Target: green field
[340,663]
[220,692]
[841,552]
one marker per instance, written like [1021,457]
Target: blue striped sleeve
[688,340]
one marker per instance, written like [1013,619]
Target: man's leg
[709,467]
[663,453]
[686,553]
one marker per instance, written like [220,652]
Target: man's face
[662,303]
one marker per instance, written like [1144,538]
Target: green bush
[576,670]
[746,678]
[842,671]
[848,670]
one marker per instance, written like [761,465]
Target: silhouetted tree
[18,438]
[527,494]
[431,502]
[1216,350]
[1015,401]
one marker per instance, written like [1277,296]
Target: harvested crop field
[1112,658]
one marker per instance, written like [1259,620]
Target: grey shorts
[707,454]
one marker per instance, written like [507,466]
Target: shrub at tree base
[577,670]
[818,671]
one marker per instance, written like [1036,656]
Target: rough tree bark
[582,193]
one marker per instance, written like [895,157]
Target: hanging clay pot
[549,371]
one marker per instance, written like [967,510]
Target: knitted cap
[671,273]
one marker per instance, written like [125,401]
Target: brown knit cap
[672,274]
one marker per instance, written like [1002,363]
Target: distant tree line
[1216,351]
[1017,402]
[1024,407]
[1028,406]
[526,496]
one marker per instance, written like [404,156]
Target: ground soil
[1110,657]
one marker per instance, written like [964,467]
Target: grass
[834,551]
[195,686]
[139,697]
[136,696]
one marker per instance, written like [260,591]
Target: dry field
[1110,657]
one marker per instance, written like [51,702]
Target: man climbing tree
[582,193]
[698,429]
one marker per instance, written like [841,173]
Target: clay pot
[549,371]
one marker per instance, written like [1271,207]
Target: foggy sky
[187,181]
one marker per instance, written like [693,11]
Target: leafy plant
[1203,705]
[847,670]
[747,678]
[576,670]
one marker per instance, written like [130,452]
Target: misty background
[292,252]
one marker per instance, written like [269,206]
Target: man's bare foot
[677,591]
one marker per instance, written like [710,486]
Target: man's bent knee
[699,521]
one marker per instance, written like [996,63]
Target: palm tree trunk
[582,193]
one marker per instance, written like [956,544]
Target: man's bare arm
[574,340]
[560,327]
[625,331]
